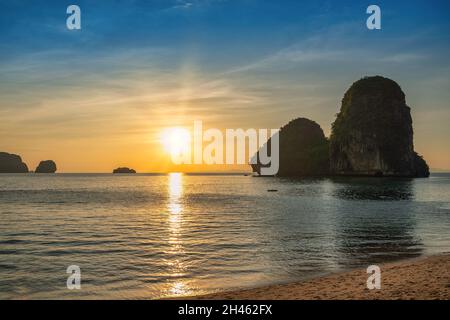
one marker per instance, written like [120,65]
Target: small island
[47,166]
[124,170]
[12,163]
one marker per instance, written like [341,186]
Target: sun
[176,140]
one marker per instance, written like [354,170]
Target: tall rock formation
[12,163]
[373,133]
[303,149]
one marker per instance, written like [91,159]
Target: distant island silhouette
[124,170]
[12,163]
[47,166]
[371,136]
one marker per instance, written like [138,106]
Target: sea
[151,236]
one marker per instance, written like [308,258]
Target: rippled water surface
[152,236]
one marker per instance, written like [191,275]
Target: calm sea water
[152,236]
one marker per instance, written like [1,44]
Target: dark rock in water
[47,166]
[373,133]
[124,170]
[12,163]
[303,150]
[420,166]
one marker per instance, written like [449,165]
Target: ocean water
[153,236]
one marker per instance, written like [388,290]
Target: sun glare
[176,140]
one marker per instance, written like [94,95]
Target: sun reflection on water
[175,206]
[175,210]
[175,186]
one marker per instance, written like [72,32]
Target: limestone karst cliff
[373,134]
[12,163]
[47,166]
[303,149]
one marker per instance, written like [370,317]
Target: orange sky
[99,98]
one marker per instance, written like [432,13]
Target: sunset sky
[98,98]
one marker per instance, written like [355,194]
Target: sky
[98,98]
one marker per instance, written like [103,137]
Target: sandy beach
[419,279]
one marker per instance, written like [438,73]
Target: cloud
[191,4]
[182,5]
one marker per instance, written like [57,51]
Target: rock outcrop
[47,166]
[303,150]
[420,166]
[124,170]
[12,163]
[373,133]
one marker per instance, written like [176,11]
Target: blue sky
[138,66]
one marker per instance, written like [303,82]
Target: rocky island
[124,170]
[303,149]
[12,163]
[47,166]
[371,136]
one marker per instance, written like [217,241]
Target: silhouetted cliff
[303,149]
[12,163]
[373,133]
[47,166]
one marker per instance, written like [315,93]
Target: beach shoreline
[421,278]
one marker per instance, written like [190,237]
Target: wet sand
[418,279]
